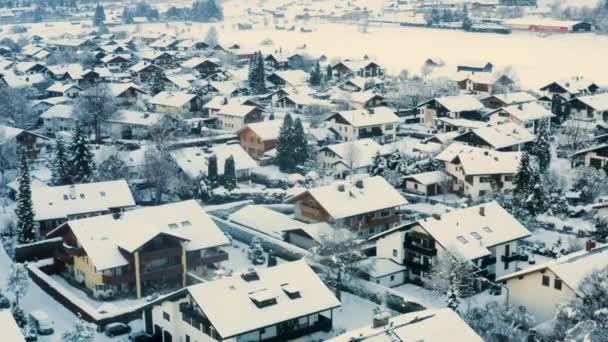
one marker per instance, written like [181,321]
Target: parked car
[140,336]
[117,329]
[42,322]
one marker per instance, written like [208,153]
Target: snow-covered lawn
[433,300]
[238,261]
[550,237]
[577,224]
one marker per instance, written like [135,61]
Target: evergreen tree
[17,281]
[60,166]
[19,316]
[467,24]
[600,230]
[81,332]
[256,253]
[378,165]
[5,303]
[536,201]
[453,294]
[83,166]
[203,189]
[315,75]
[329,74]
[25,211]
[557,108]
[127,16]
[522,179]
[301,153]
[212,37]
[285,148]
[212,176]
[99,17]
[257,78]
[542,148]
[113,168]
[158,83]
[229,174]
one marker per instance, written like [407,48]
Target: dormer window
[291,291]
[173,225]
[263,298]
[186,224]
[487,229]
[66,197]
[82,196]
[476,235]
[102,193]
[462,239]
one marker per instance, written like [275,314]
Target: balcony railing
[513,257]
[418,248]
[160,254]
[417,264]
[163,272]
[208,258]
[117,279]
[488,261]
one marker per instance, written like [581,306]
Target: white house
[279,303]
[194,160]
[351,157]
[486,234]
[60,117]
[528,115]
[477,171]
[543,287]
[501,137]
[382,271]
[378,123]
[130,124]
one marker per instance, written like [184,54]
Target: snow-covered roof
[59,202]
[460,103]
[102,236]
[172,99]
[504,135]
[182,81]
[292,77]
[229,303]
[465,123]
[22,81]
[193,160]
[364,96]
[343,199]
[530,111]
[267,221]
[233,109]
[196,61]
[469,232]
[481,161]
[571,268]
[62,88]
[433,325]
[265,130]
[428,178]
[10,329]
[63,111]
[117,89]
[141,65]
[364,117]
[358,152]
[539,21]
[573,85]
[133,117]
[513,98]
[379,267]
[598,102]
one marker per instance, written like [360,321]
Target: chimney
[380,319]
[359,184]
[117,215]
[520,106]
[72,191]
[589,245]
[482,211]
[341,187]
[225,101]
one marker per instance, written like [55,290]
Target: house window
[102,193]
[395,253]
[166,316]
[388,127]
[557,284]
[546,280]
[484,179]
[187,338]
[392,277]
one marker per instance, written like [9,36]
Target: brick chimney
[482,211]
[589,245]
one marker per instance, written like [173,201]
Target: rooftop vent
[263,298]
[359,184]
[291,291]
[250,275]
[341,187]
[482,211]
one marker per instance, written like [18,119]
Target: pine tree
[99,16]
[556,107]
[536,201]
[25,211]
[212,176]
[378,165]
[127,16]
[301,153]
[523,176]
[542,148]
[19,316]
[60,166]
[315,75]
[203,189]
[256,253]
[83,166]
[453,294]
[257,78]
[285,148]
[467,24]
[17,281]
[329,74]
[600,230]
[5,303]
[229,174]
[158,83]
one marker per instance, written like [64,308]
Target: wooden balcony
[420,249]
[162,272]
[417,264]
[117,279]
[160,254]
[210,257]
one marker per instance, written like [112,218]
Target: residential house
[278,303]
[486,235]
[290,78]
[125,94]
[60,117]
[497,101]
[363,68]
[590,108]
[430,183]
[570,88]
[366,207]
[382,271]
[55,205]
[141,250]
[191,45]
[67,90]
[130,124]
[277,61]
[175,102]
[432,325]
[455,107]
[596,156]
[379,123]
[144,71]
[349,158]
[487,83]
[503,137]
[450,125]
[478,171]
[475,67]
[542,288]
[232,117]
[259,137]
[164,44]
[117,62]
[366,100]
[161,59]
[203,66]
[528,115]
[34,145]
[193,161]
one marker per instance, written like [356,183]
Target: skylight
[487,229]
[65,197]
[173,225]
[263,298]
[462,239]
[186,223]
[476,235]
[291,291]
[102,193]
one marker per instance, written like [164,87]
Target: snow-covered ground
[433,300]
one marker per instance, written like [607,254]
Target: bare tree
[95,106]
[15,107]
[351,158]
